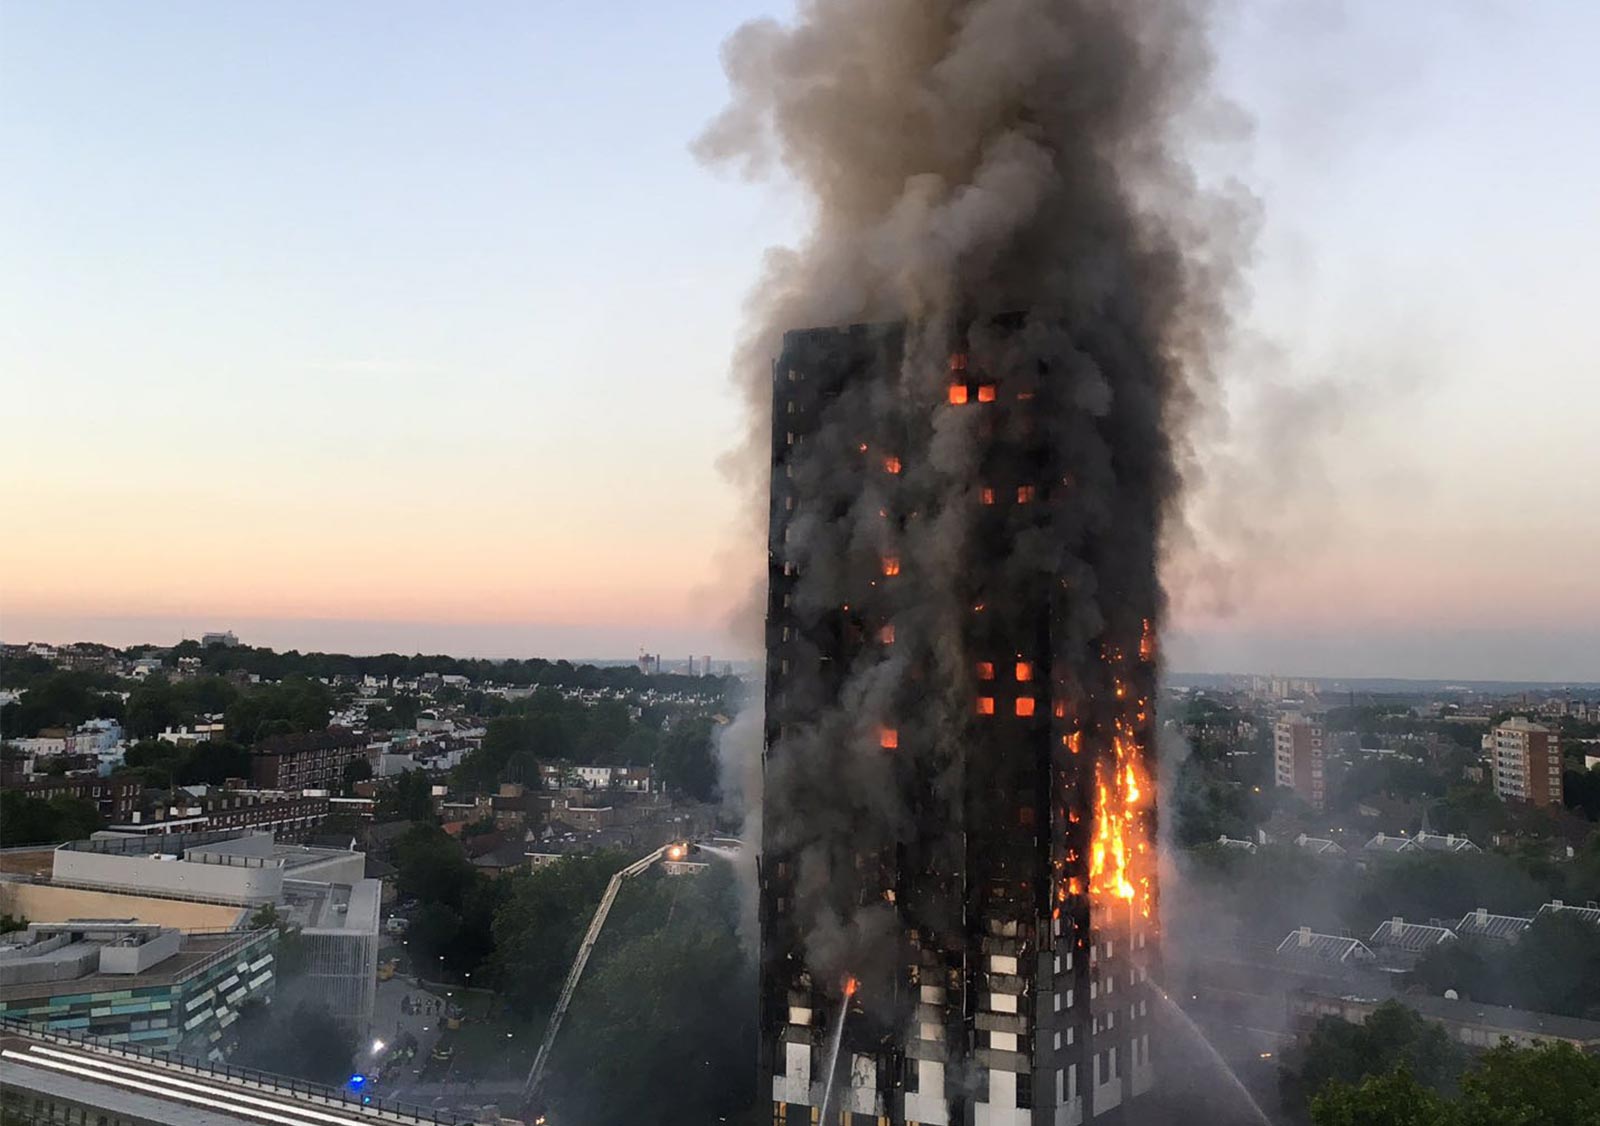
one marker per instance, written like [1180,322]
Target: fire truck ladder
[536,1073]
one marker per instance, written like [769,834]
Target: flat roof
[333,907]
[1492,1016]
[196,950]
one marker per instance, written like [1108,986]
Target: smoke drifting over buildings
[968,494]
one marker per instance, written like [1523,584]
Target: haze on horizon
[374,328]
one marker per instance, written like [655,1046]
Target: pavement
[390,1022]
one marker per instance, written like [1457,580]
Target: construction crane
[530,1089]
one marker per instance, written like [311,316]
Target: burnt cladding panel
[1005,958]
[809,650]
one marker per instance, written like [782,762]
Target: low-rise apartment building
[312,761]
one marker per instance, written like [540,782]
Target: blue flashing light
[356,1081]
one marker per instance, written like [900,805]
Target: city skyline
[341,343]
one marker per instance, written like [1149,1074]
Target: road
[390,1022]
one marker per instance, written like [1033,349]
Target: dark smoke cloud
[965,159]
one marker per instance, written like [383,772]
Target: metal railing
[392,1110]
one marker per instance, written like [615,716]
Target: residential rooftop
[1338,949]
[1398,934]
[1483,923]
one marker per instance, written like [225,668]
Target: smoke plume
[965,161]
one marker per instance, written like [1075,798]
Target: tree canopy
[1393,1036]
[670,981]
[27,820]
[1547,1086]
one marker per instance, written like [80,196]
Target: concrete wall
[137,959]
[345,868]
[42,903]
[180,877]
[258,846]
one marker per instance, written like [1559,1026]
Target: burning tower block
[957,873]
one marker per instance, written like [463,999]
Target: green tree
[675,987]
[1557,966]
[1581,790]
[408,797]
[404,708]
[1395,1099]
[1549,1086]
[431,866]
[1393,1036]
[212,763]
[536,930]
[57,699]
[27,820]
[294,706]
[686,763]
[359,770]
[153,707]
[1553,1085]
[432,938]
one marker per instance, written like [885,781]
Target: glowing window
[958,361]
[985,670]
[986,705]
[886,635]
[888,738]
[988,496]
[1024,494]
[891,564]
[1024,705]
[958,393]
[891,465]
[1024,670]
[986,392]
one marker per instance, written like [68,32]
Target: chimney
[1305,936]
[1450,839]
[1261,836]
[1483,916]
[1397,926]
[1380,837]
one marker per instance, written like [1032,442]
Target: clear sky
[406,325]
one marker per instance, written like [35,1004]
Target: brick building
[312,761]
[1300,757]
[117,798]
[1526,762]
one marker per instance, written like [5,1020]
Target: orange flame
[1120,858]
[850,986]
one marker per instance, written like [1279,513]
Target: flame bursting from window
[1121,860]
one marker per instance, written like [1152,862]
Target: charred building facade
[957,880]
